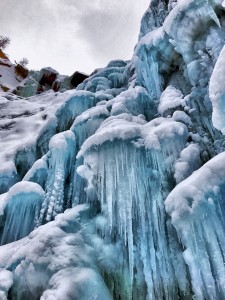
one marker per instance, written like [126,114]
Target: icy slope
[26,126]
[122,192]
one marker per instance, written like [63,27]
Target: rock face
[77,78]
[10,75]
[21,71]
[48,79]
[127,173]
[3,55]
[19,80]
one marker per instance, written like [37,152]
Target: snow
[170,98]
[195,187]
[38,172]
[8,77]
[70,264]
[94,112]
[188,162]
[24,188]
[85,284]
[115,128]
[181,116]
[6,281]
[135,101]
[23,123]
[59,141]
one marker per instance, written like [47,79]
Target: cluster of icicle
[137,143]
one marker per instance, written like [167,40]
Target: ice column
[61,160]
[197,208]
[22,210]
[131,184]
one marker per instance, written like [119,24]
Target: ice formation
[115,190]
[21,211]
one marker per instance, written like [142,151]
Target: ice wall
[127,178]
[125,199]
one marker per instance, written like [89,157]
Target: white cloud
[71,35]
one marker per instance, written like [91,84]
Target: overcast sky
[71,35]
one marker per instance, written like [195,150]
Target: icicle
[61,158]
[196,206]
[24,202]
[131,197]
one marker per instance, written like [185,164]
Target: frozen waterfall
[117,191]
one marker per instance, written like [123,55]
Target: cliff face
[10,75]
[17,79]
[48,79]
[120,193]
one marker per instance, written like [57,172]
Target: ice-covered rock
[11,75]
[196,207]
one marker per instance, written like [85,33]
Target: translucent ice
[68,270]
[127,180]
[61,158]
[196,207]
[23,204]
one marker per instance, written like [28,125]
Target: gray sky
[71,35]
